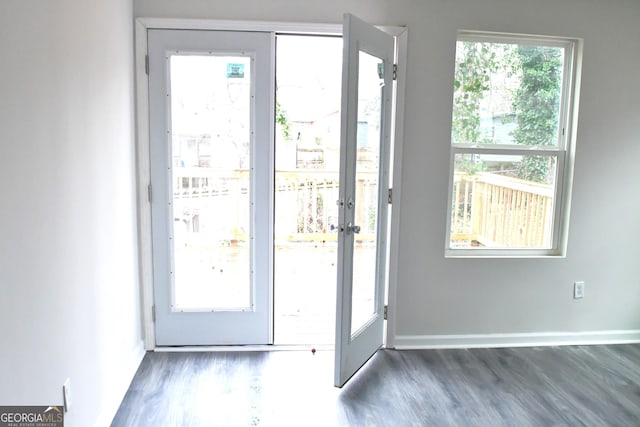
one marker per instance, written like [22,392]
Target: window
[511,145]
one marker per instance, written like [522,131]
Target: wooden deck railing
[306,208]
[488,209]
[498,211]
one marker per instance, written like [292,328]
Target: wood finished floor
[542,386]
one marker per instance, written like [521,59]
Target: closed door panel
[211,115]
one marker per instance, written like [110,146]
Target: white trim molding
[267,26]
[396,184]
[144,184]
[532,339]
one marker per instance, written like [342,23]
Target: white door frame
[143,146]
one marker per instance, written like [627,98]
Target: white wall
[438,296]
[69,297]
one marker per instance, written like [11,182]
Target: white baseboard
[114,396]
[409,342]
[241,348]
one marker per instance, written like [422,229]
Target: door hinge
[153,313]
[149,192]
[386,310]
[394,74]
[146,64]
[390,196]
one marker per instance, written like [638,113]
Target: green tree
[474,65]
[537,104]
[283,121]
[535,99]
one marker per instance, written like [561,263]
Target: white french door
[367,85]
[211,118]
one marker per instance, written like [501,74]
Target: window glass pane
[507,93]
[502,201]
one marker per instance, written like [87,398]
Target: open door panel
[367,85]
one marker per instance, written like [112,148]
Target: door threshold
[241,348]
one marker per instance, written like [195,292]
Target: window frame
[564,151]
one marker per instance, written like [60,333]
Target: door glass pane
[210,139]
[366,194]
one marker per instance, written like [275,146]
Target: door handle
[353,228]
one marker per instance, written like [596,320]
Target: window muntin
[509,145]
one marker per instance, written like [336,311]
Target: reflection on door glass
[210,163]
[368,138]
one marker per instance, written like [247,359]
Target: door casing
[145,260]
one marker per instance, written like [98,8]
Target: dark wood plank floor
[544,386]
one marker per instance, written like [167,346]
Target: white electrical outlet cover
[578,290]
